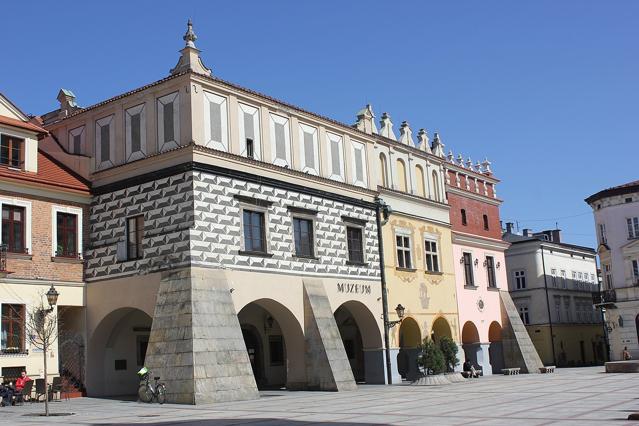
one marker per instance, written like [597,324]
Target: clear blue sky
[547,90]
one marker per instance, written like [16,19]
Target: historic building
[418,266]
[551,283]
[44,210]
[478,257]
[616,213]
[233,240]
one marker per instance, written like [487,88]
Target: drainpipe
[382,274]
[552,337]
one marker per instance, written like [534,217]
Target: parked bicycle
[149,391]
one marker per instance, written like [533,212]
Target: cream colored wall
[426,296]
[30,294]
[30,146]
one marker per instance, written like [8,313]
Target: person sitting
[470,370]
[6,393]
[626,354]
[21,381]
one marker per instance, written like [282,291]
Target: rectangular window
[553,277]
[249,148]
[13,322]
[13,228]
[403,251]
[67,235]
[303,234]
[564,281]
[355,244]
[136,132]
[567,309]
[635,271]
[169,131]
[469,279]
[490,269]
[520,279]
[558,308]
[105,142]
[633,227]
[432,256]
[608,276]
[523,314]
[463,217]
[486,227]
[254,231]
[602,233]
[11,151]
[135,233]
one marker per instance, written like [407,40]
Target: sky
[548,91]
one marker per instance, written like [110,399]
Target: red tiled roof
[21,124]
[50,173]
[625,188]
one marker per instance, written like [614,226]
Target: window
[608,276]
[254,231]
[558,308]
[490,269]
[249,148]
[432,256]
[635,271]
[303,235]
[628,200]
[13,228]
[602,233]
[633,227]
[520,279]
[76,140]
[13,320]
[11,151]
[403,251]
[67,235]
[523,314]
[486,227]
[104,142]
[564,282]
[135,233]
[553,277]
[469,279]
[567,309]
[354,241]
[249,129]
[463,217]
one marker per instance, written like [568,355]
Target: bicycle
[147,391]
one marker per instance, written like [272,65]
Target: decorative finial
[460,160]
[423,142]
[486,165]
[450,157]
[469,163]
[386,127]
[366,120]
[189,36]
[406,134]
[437,147]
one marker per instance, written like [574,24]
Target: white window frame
[519,274]
[564,278]
[242,109]
[27,223]
[553,277]
[359,146]
[313,220]
[473,278]
[494,257]
[130,154]
[54,228]
[105,121]
[632,225]
[9,301]
[78,131]
[259,209]
[404,234]
[362,228]
[208,99]
[432,239]
[161,101]
[304,128]
[524,314]
[331,138]
[284,121]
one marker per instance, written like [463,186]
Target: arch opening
[117,349]
[275,344]
[410,337]
[440,329]
[362,341]
[495,348]
[470,343]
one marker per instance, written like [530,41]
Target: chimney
[556,235]
[509,227]
[366,120]
[527,232]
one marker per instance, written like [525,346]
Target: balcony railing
[605,297]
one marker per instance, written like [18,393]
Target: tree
[431,357]
[449,350]
[42,331]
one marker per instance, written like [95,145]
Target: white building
[616,212]
[551,283]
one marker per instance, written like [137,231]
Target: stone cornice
[477,241]
[474,196]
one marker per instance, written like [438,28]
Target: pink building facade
[480,267]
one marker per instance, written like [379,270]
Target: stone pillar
[327,366]
[483,358]
[196,344]
[395,376]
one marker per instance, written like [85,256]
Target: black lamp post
[400,310]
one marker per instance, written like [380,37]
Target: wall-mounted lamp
[476,262]
[461,259]
[485,262]
[400,310]
[498,265]
[268,323]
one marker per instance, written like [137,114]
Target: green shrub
[449,350]
[431,357]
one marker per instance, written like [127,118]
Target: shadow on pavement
[243,421]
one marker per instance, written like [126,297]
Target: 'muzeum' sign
[353,288]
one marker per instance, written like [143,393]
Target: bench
[467,374]
[547,369]
[510,371]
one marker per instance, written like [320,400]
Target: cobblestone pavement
[579,396]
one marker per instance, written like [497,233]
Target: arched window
[419,176]
[435,186]
[401,175]
[383,171]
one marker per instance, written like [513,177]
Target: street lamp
[52,297]
[400,310]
